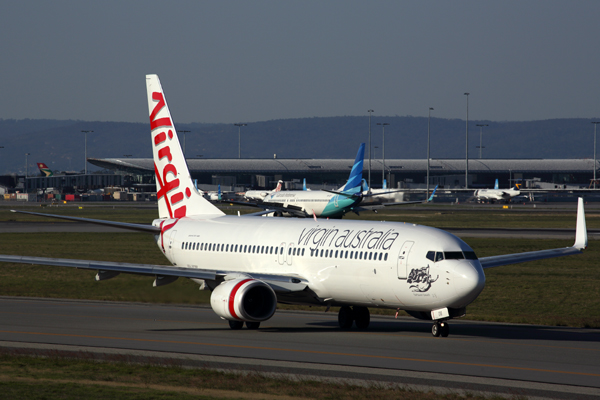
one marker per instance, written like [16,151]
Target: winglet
[581,240]
[432,194]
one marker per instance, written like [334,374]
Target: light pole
[595,125]
[370,111]
[428,136]
[240,139]
[480,134]
[26,172]
[184,132]
[467,147]
[26,165]
[85,151]
[383,125]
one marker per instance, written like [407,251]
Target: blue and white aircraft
[327,203]
[251,263]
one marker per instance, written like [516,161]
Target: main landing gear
[358,315]
[440,328]
[240,324]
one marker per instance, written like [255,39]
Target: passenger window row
[230,248]
[353,255]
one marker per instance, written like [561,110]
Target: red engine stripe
[232,298]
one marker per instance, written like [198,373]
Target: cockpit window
[470,255]
[439,256]
[430,255]
[454,255]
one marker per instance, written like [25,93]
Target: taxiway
[478,357]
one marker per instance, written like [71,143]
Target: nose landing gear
[440,328]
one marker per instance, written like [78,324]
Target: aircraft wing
[270,207]
[497,261]
[375,207]
[290,209]
[279,283]
[580,244]
[122,225]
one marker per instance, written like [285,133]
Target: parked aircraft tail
[355,180]
[432,194]
[177,197]
[496,186]
[45,170]
[278,187]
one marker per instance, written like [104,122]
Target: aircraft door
[335,200]
[290,253]
[403,259]
[280,254]
[170,252]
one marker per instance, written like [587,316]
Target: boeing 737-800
[251,263]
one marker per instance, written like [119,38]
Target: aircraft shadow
[470,329]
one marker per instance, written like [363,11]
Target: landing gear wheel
[436,330]
[345,317]
[236,324]
[445,329]
[252,325]
[362,317]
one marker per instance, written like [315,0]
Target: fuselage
[497,194]
[317,202]
[375,264]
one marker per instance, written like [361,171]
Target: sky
[246,61]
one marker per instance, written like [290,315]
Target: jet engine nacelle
[244,300]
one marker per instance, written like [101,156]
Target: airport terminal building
[240,174]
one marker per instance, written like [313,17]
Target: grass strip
[57,377]
[451,217]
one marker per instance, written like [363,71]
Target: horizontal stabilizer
[114,224]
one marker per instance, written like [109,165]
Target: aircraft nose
[469,280]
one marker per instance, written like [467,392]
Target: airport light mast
[184,132]
[595,125]
[428,136]
[467,147]
[480,135]
[240,139]
[85,151]
[383,125]
[370,111]
[26,172]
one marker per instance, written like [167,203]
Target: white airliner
[261,194]
[251,263]
[497,194]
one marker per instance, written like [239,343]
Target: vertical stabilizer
[496,185]
[355,179]
[44,169]
[177,197]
